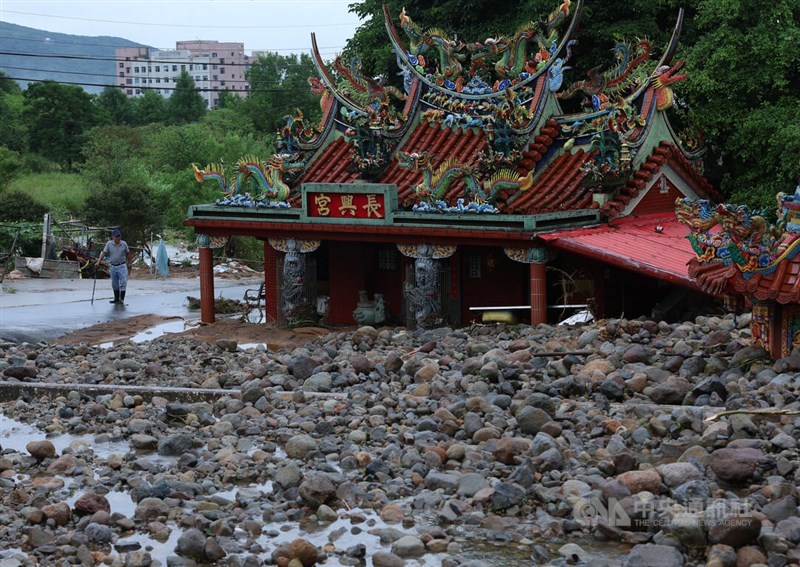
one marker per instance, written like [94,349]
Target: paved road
[33,309]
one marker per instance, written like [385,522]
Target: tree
[129,205]
[114,106]
[13,131]
[58,117]
[278,85]
[749,112]
[186,104]
[150,108]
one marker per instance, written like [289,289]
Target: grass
[63,193]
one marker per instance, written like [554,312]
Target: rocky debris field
[483,446]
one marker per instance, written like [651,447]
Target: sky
[284,26]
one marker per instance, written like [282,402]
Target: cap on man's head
[116,232]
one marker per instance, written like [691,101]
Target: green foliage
[279,85]
[185,104]
[16,206]
[10,165]
[112,156]
[749,112]
[9,86]
[21,238]
[150,108]
[62,193]
[128,205]
[13,130]
[58,117]
[114,107]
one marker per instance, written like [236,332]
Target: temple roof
[655,245]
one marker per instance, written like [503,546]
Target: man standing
[118,254]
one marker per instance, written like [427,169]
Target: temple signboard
[335,202]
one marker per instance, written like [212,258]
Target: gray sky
[284,26]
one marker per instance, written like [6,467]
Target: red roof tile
[636,244]
[558,188]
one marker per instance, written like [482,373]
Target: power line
[106,75]
[160,88]
[57,41]
[116,60]
[193,26]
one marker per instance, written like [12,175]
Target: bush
[16,206]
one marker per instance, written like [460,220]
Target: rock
[675,474]
[305,551]
[175,445]
[780,509]
[91,502]
[408,546]
[41,450]
[731,529]
[640,481]
[317,489]
[652,555]
[300,447]
[383,559]
[735,465]
[750,555]
[192,543]
[530,420]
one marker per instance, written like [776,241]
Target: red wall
[655,201]
[503,283]
[273,294]
[346,278]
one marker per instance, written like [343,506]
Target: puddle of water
[16,435]
[247,346]
[160,330]
[265,488]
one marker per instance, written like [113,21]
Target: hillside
[28,54]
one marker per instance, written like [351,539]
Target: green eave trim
[405,219]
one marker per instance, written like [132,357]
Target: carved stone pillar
[206,279]
[424,296]
[536,258]
[293,290]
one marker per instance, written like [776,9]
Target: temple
[741,255]
[470,192]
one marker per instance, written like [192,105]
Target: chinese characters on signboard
[346,205]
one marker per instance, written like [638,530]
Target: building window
[191,67]
[149,69]
[158,68]
[205,77]
[205,66]
[387,260]
[222,61]
[214,66]
[122,73]
[136,69]
[222,70]
[216,78]
[475,266]
[129,92]
[183,67]
[127,69]
[174,68]
[222,83]
[158,79]
[121,64]
[128,81]
[213,54]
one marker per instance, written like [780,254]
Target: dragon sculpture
[750,238]
[422,42]
[662,79]
[294,133]
[215,172]
[269,175]
[435,184]
[627,72]
[700,216]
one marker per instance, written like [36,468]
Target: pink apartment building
[214,67]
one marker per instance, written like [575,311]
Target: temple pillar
[424,296]
[206,279]
[538,293]
[536,258]
[293,290]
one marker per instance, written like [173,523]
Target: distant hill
[86,61]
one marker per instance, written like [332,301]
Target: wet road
[33,310]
